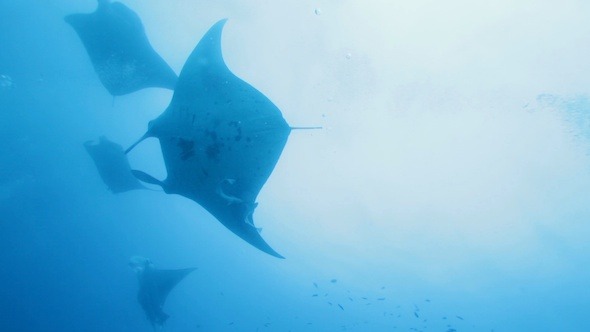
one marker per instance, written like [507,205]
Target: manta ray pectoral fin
[75,20]
[162,318]
[112,165]
[229,198]
[250,221]
[249,217]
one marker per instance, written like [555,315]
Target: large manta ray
[154,287]
[119,49]
[112,165]
[220,138]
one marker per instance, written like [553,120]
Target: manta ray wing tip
[272,252]
[70,19]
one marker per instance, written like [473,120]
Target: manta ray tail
[306,128]
[146,135]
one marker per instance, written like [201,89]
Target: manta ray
[154,287]
[113,166]
[119,49]
[220,139]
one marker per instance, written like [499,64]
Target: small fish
[350,298]
[416,314]
[330,303]
[383,287]
[334,281]
[461,318]
[364,298]
[314,295]
[381,299]
[315,285]
[341,307]
[427,300]
[232,323]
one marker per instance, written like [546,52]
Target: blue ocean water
[432,200]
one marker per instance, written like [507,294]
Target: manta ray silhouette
[154,287]
[119,49]
[112,165]
[220,138]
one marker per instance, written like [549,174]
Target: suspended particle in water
[318,11]
[348,56]
[6,82]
